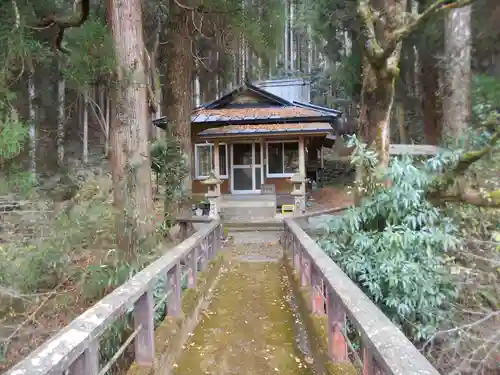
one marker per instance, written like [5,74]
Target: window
[282,159]
[204,160]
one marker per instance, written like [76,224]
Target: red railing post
[317,300]
[144,342]
[305,266]
[174,285]
[88,362]
[370,367]
[337,347]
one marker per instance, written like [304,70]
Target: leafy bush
[394,246]
[13,135]
[168,163]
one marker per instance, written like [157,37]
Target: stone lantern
[213,194]
[299,193]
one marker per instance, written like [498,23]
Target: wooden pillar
[302,161]
[217,164]
[263,160]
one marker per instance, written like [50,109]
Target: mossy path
[249,326]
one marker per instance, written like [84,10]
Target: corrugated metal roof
[315,127]
[229,114]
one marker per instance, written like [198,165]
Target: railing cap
[392,350]
[60,351]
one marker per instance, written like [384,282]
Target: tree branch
[470,196]
[438,191]
[64,23]
[404,32]
[372,46]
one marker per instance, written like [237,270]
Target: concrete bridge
[255,306]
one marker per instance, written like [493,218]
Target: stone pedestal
[213,199]
[299,193]
[213,194]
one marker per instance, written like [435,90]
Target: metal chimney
[291,89]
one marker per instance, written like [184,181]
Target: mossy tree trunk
[130,153]
[384,26]
[458,77]
[178,89]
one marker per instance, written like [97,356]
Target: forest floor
[330,197]
[65,264]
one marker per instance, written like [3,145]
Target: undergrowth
[395,245]
[433,270]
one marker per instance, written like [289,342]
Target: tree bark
[457,79]
[431,98]
[377,98]
[85,102]
[380,69]
[61,118]
[32,133]
[130,153]
[178,88]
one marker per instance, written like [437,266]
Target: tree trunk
[380,68]
[431,98]
[32,124]
[377,97]
[61,119]
[403,130]
[85,153]
[457,79]
[130,153]
[179,74]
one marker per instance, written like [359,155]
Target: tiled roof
[313,127]
[228,114]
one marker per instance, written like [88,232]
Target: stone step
[248,213]
[249,226]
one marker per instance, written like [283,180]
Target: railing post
[143,321]
[305,266]
[296,256]
[370,367]
[88,362]
[317,302]
[337,348]
[219,232]
[193,267]
[183,229]
[212,238]
[174,285]
[203,251]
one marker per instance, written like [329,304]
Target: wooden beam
[217,164]
[302,160]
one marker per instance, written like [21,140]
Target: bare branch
[372,46]
[64,23]
[17,16]
[404,32]
[438,191]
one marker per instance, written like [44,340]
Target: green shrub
[394,246]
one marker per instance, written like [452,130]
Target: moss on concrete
[169,333]
[316,326]
[248,328]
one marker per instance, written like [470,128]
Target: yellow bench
[287,208]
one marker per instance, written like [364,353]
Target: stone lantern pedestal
[213,194]
[299,193]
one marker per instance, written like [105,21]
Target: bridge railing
[383,348]
[75,349]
